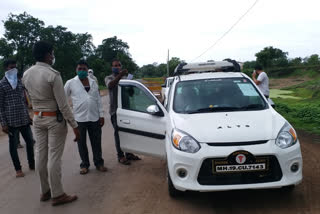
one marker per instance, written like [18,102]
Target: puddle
[285,94]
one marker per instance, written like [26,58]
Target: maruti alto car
[217,131]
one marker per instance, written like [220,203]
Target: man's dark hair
[41,49]
[83,62]
[258,67]
[8,62]
[115,60]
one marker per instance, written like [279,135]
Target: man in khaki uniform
[45,88]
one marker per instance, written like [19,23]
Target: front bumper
[192,163]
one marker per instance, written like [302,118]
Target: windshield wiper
[252,106]
[213,109]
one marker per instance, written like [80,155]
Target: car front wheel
[173,192]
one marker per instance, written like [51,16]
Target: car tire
[173,192]
[288,189]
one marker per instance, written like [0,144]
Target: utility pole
[168,64]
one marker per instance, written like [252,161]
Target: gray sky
[185,27]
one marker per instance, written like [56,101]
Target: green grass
[303,113]
[102,87]
[308,73]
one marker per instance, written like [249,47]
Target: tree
[313,60]
[147,71]
[249,64]
[21,32]
[6,49]
[270,57]
[84,41]
[154,70]
[173,63]
[69,48]
[296,61]
[112,48]
[66,50]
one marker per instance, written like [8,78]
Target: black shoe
[131,156]
[124,161]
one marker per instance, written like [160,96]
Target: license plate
[240,168]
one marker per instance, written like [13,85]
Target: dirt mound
[287,82]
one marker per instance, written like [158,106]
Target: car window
[135,99]
[213,95]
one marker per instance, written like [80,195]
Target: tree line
[23,30]
[276,62]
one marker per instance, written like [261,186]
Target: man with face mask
[88,112]
[112,82]
[51,114]
[14,115]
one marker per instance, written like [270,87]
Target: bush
[309,114]
[282,108]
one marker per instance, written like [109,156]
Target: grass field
[300,103]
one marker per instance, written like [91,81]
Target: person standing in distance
[112,82]
[45,88]
[262,81]
[88,112]
[92,76]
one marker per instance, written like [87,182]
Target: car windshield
[216,95]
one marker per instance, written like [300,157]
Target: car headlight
[287,136]
[184,142]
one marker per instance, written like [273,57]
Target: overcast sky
[186,28]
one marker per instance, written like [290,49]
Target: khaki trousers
[50,138]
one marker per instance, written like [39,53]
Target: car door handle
[125,121]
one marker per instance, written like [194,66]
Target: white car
[165,88]
[217,131]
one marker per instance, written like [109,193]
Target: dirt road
[142,187]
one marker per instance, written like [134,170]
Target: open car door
[141,120]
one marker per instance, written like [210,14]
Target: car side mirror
[155,110]
[163,85]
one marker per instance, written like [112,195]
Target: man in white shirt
[88,112]
[262,81]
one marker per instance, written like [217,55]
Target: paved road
[142,187]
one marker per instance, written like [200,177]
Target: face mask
[82,74]
[12,77]
[115,70]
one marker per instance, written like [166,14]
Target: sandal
[63,199]
[84,171]
[124,161]
[19,174]
[132,157]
